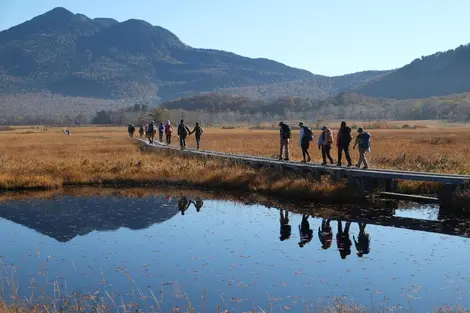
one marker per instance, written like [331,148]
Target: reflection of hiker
[343,141]
[363,141]
[325,234]
[343,241]
[131,131]
[285,133]
[183,132]
[161,130]
[141,131]
[151,131]
[168,132]
[306,234]
[183,204]
[325,141]
[363,241]
[198,133]
[286,229]
[198,204]
[304,141]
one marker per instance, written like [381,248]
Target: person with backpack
[168,132]
[325,141]
[141,131]
[285,133]
[161,130]
[198,131]
[306,136]
[183,132]
[151,131]
[343,142]
[363,141]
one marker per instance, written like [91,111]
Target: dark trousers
[160,135]
[198,142]
[183,142]
[325,153]
[305,144]
[168,139]
[346,154]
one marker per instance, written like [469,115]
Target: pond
[145,253]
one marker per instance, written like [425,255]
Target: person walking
[285,133]
[304,141]
[141,131]
[363,141]
[131,131]
[343,241]
[343,142]
[168,132]
[161,130]
[325,141]
[151,131]
[198,133]
[183,132]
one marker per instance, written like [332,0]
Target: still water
[246,257]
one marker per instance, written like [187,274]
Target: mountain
[72,55]
[440,74]
[68,217]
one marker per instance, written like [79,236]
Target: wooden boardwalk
[365,180]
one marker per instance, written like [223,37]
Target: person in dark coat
[183,132]
[343,142]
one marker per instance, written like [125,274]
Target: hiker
[198,131]
[325,234]
[343,141]
[285,133]
[168,132]
[306,234]
[343,241]
[141,131]
[151,131]
[131,130]
[286,229]
[183,132]
[161,130]
[363,241]
[363,141]
[183,204]
[325,141]
[198,204]
[304,141]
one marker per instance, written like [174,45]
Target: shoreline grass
[103,156]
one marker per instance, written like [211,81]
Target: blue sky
[325,37]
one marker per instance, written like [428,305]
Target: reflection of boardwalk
[454,227]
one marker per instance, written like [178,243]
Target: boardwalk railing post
[446,199]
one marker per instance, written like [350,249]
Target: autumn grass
[31,158]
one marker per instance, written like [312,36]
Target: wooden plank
[354,172]
[401,196]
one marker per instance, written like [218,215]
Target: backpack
[329,138]
[168,129]
[308,133]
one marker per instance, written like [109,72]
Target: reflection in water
[286,229]
[363,242]
[325,234]
[232,250]
[306,234]
[343,241]
[184,203]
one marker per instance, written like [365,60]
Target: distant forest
[221,109]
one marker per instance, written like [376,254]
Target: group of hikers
[325,235]
[166,131]
[325,143]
